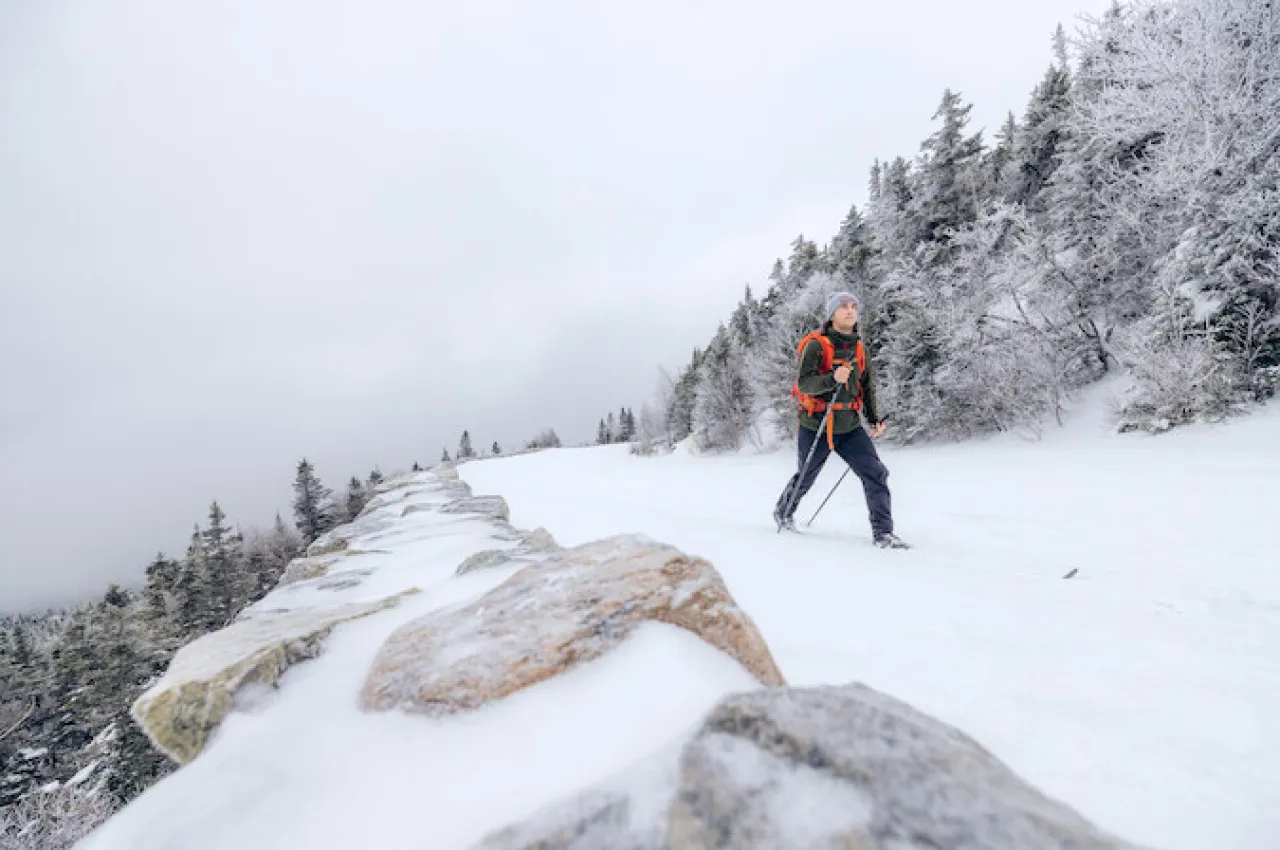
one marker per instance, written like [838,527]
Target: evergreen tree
[223,583]
[313,507]
[357,498]
[679,412]
[1037,141]
[950,177]
[722,410]
[497,449]
[465,450]
[376,477]
[192,588]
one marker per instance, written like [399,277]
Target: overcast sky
[236,234]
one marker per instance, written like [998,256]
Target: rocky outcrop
[531,547]
[485,507]
[180,711]
[817,768]
[305,569]
[549,617]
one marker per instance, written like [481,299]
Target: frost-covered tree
[723,405]
[313,508]
[1037,140]
[357,498]
[949,181]
[465,451]
[684,395]
[547,439]
[1179,109]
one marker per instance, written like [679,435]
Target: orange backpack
[812,404]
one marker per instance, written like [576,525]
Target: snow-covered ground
[1144,691]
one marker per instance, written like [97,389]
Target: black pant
[857,450]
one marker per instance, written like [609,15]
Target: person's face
[845,315]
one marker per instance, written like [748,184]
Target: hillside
[1138,692]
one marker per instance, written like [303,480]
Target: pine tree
[444,456]
[602,434]
[225,575]
[465,450]
[722,410]
[679,413]
[313,508]
[950,178]
[497,449]
[357,497]
[192,588]
[1037,141]
[160,589]
[376,477]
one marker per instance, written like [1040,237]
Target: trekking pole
[822,426]
[824,501]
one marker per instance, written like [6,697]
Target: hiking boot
[784,522]
[890,540]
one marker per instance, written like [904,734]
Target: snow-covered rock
[549,617]
[488,507]
[531,547]
[306,568]
[198,689]
[817,768]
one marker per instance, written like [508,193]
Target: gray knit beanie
[836,300]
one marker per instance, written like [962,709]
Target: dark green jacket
[814,382]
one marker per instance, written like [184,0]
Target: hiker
[834,366]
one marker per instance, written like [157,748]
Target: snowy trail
[1143,691]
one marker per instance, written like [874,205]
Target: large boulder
[550,617]
[833,768]
[180,711]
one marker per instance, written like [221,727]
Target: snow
[1143,691]
[311,771]
[303,767]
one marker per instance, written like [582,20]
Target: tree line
[1127,225]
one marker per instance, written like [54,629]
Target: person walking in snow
[828,360]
